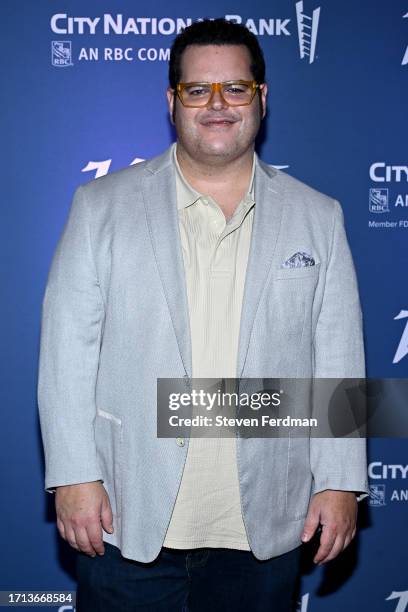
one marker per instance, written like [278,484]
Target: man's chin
[217,149]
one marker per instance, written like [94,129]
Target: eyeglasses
[233,93]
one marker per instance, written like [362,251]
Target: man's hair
[215,32]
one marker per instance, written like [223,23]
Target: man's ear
[171,102]
[264,92]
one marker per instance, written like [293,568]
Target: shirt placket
[220,258]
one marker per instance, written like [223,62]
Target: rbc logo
[378,201]
[377,495]
[61,53]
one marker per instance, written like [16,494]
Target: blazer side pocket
[109,444]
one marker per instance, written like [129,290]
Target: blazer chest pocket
[303,273]
[289,302]
[108,438]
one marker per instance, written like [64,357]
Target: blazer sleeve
[338,349]
[71,328]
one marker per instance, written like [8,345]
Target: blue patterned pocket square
[299,260]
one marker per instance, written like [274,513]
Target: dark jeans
[194,580]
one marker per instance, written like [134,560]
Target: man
[187,265]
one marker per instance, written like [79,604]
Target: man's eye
[236,89]
[197,91]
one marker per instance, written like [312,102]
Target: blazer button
[180,441]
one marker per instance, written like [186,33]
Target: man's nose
[217,101]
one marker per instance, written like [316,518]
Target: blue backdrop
[84,94]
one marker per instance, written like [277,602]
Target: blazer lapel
[159,193]
[269,201]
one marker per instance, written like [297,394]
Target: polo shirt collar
[187,195]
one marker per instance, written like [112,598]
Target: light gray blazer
[115,318]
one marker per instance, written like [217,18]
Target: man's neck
[232,176]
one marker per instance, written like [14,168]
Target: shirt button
[180,441]
[205,201]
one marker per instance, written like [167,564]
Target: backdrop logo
[405,58]
[307,31]
[134,28]
[402,597]
[377,495]
[380,172]
[303,604]
[402,349]
[385,471]
[377,470]
[391,196]
[378,200]
[61,53]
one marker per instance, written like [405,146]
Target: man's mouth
[215,122]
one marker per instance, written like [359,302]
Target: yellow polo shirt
[207,512]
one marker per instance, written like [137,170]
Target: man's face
[219,132]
